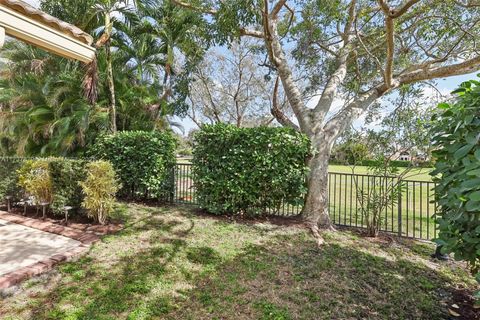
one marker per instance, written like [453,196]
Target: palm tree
[146,50]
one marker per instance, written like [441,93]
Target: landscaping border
[85,237]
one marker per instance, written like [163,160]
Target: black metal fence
[408,213]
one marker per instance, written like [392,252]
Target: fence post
[399,206]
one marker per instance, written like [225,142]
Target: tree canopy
[350,53]
[145,53]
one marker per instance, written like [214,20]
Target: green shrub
[99,188]
[249,170]
[457,172]
[143,162]
[66,175]
[9,178]
[34,178]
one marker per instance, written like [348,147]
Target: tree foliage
[230,86]
[337,59]
[457,173]
[153,47]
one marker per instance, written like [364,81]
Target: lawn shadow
[288,279]
[281,275]
[114,292]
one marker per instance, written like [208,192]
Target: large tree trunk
[315,211]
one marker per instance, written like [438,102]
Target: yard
[176,263]
[420,174]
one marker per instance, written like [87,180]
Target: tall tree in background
[230,87]
[354,52]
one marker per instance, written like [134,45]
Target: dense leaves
[34,178]
[59,182]
[9,178]
[99,188]
[456,137]
[249,170]
[66,175]
[142,160]
[152,50]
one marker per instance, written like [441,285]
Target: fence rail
[409,213]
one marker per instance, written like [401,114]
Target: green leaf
[463,151]
[475,196]
[443,105]
[472,205]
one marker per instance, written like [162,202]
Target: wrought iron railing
[410,212]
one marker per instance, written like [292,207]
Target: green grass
[169,263]
[416,205]
[421,174]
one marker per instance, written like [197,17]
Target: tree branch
[279,60]
[426,73]
[251,33]
[336,79]
[388,75]
[395,13]
[190,6]
[277,7]
[352,111]
[277,112]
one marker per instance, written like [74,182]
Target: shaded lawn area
[170,263]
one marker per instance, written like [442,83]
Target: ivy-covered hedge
[143,162]
[249,170]
[457,172]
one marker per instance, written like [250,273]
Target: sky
[445,86]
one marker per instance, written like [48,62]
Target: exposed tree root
[316,234]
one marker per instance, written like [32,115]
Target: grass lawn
[420,174]
[171,263]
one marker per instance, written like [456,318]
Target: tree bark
[111,89]
[315,211]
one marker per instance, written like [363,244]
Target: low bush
[99,188]
[143,162]
[249,170]
[34,178]
[62,182]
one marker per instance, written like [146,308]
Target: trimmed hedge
[143,162]
[393,163]
[9,178]
[66,175]
[249,170]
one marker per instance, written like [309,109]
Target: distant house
[404,156]
[410,157]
